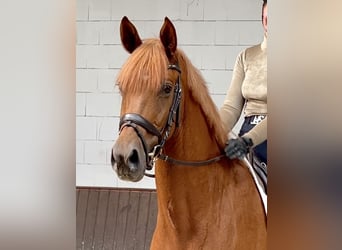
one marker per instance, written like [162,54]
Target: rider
[248,93]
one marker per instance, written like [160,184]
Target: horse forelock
[200,94]
[145,69]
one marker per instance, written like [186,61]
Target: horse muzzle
[128,161]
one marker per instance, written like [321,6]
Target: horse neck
[193,140]
[183,188]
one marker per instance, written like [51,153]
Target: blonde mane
[147,66]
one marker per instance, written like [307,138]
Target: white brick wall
[106,77]
[211,33]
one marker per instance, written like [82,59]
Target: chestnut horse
[168,118]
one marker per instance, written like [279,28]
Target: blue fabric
[260,151]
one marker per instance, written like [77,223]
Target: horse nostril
[133,158]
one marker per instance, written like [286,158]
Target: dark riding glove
[238,148]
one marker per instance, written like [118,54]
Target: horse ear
[129,35]
[168,37]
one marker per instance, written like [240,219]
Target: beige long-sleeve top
[248,91]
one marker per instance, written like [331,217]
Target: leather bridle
[135,120]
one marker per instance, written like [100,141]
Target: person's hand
[238,148]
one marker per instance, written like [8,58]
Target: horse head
[149,84]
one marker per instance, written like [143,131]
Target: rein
[134,120]
[190,163]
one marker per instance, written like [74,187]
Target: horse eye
[167,88]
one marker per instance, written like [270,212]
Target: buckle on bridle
[153,155]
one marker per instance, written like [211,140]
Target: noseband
[134,120]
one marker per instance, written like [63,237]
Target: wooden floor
[115,218]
